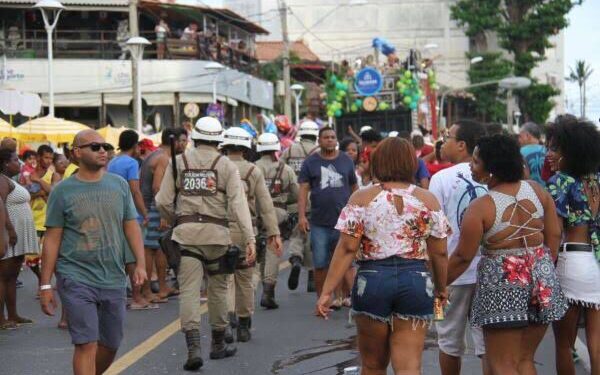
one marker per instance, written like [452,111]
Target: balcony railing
[102,44]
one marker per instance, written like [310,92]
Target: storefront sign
[368,81]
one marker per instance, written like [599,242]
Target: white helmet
[236,136]
[208,129]
[365,128]
[268,142]
[392,134]
[309,128]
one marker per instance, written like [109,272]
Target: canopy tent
[48,129]
[6,130]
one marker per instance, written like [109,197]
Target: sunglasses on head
[95,147]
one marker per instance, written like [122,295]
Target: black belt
[200,219]
[577,247]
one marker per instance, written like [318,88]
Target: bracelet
[46,287]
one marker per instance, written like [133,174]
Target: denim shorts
[93,314]
[393,287]
[323,241]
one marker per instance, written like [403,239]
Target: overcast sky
[582,42]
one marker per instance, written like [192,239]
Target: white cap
[365,128]
[208,129]
[236,137]
[415,133]
[268,142]
[309,128]
[393,133]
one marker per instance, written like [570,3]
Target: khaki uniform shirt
[228,201]
[283,188]
[257,194]
[294,157]
[296,153]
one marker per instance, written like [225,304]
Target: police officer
[299,242]
[208,191]
[237,141]
[283,186]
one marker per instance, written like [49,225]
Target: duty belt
[200,218]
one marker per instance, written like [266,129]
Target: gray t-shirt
[92,214]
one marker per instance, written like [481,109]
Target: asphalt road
[286,341]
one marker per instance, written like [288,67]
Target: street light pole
[54,8]
[297,89]
[215,68]
[136,47]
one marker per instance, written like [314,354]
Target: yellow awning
[6,130]
[48,129]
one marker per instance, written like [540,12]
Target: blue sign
[368,82]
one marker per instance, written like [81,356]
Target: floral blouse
[385,233]
[572,205]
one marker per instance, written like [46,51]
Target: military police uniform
[261,205]
[282,184]
[209,191]
[299,246]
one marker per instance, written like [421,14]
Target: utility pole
[287,107]
[134,31]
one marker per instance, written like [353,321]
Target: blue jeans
[323,241]
[393,287]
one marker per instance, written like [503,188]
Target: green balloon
[358,103]
[406,92]
[408,74]
[413,106]
[354,108]
[338,113]
[333,80]
[342,93]
[407,100]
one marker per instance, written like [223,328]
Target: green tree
[581,74]
[523,29]
[489,107]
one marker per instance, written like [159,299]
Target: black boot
[310,283]
[268,297]
[194,361]
[243,330]
[233,323]
[296,263]
[218,348]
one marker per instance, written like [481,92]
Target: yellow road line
[152,342]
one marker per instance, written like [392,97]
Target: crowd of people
[487,229]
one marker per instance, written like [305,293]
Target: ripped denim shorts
[393,287]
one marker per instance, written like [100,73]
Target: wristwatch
[45,287]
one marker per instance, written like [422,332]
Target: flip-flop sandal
[23,321]
[159,299]
[8,326]
[150,306]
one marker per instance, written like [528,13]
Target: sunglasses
[95,147]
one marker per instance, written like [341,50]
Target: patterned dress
[19,212]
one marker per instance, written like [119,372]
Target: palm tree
[580,74]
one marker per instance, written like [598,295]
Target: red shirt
[435,166]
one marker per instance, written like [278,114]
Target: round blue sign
[368,82]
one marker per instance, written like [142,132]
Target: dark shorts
[152,233]
[323,241]
[393,287]
[93,314]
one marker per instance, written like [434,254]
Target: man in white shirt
[455,190]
